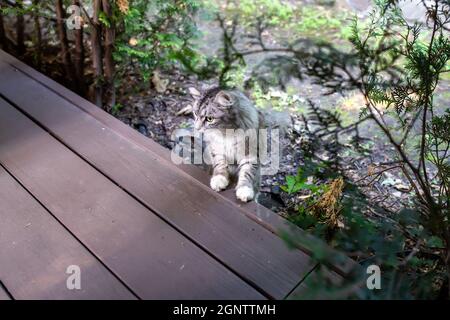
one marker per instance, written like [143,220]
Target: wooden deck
[78,187]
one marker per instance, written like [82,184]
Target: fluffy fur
[229,109]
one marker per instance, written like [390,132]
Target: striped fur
[221,109]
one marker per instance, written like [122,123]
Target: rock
[142,128]
[270,200]
[275,189]
[159,83]
[194,92]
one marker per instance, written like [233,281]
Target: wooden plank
[103,117]
[35,252]
[213,223]
[322,284]
[3,294]
[337,261]
[152,258]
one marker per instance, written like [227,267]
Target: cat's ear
[224,99]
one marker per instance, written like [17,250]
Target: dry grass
[123,6]
[328,206]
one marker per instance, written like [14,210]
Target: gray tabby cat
[229,109]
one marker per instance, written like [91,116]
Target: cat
[223,109]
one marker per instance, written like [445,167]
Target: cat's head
[219,108]
[213,109]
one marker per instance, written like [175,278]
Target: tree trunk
[3,39]
[20,27]
[447,260]
[97,53]
[65,53]
[37,35]
[109,62]
[79,57]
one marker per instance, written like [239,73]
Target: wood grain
[35,252]
[321,284]
[268,219]
[147,254]
[215,224]
[4,295]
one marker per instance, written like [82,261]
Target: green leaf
[435,242]
[104,19]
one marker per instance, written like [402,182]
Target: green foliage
[285,16]
[300,182]
[379,241]
[275,22]
[116,108]
[22,8]
[104,19]
[275,99]
[411,97]
[158,34]
[272,12]
[314,21]
[399,72]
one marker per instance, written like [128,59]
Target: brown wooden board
[36,251]
[215,224]
[335,260]
[267,218]
[3,294]
[103,117]
[323,284]
[149,256]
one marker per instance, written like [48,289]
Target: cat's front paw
[245,193]
[219,182]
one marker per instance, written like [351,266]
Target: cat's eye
[209,119]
